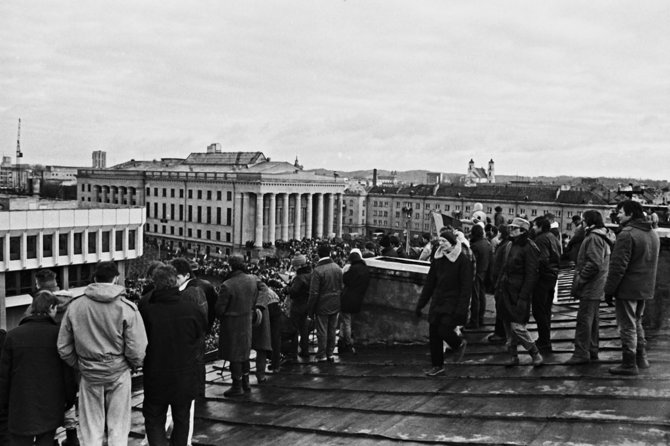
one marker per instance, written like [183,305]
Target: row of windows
[63,241]
[207,217]
[165,229]
[23,281]
[447,208]
[199,193]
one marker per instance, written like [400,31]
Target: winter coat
[632,271]
[210,298]
[498,219]
[35,384]
[592,264]
[234,307]
[550,256]
[102,334]
[575,242]
[449,288]
[517,278]
[325,288]
[389,252]
[482,252]
[261,335]
[191,292]
[175,329]
[298,290]
[356,280]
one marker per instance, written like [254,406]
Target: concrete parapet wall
[387,314]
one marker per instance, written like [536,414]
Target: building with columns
[64,236]
[221,202]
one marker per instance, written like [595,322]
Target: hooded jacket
[592,264]
[102,334]
[632,270]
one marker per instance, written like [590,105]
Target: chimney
[374,177]
[214,148]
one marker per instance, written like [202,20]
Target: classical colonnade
[270,216]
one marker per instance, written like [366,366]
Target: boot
[71,438]
[641,357]
[235,390]
[628,366]
[245,383]
[537,357]
[514,357]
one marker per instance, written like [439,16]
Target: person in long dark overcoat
[235,309]
[261,332]
[298,291]
[175,328]
[35,384]
[356,278]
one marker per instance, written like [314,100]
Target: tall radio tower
[19,155]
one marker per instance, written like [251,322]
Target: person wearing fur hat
[514,290]
[448,288]
[298,291]
[356,278]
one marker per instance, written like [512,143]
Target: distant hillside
[419,177]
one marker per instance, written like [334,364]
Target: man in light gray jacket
[103,336]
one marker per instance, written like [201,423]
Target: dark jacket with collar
[325,288]
[175,329]
[356,280]
[210,297]
[299,290]
[632,270]
[449,288]
[236,301]
[517,278]
[35,384]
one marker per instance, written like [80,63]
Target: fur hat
[299,260]
[520,223]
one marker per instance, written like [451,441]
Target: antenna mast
[18,156]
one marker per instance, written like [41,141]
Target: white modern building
[64,236]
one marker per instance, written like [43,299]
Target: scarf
[450,255]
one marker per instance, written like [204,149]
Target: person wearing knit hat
[516,282]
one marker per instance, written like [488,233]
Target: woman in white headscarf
[448,287]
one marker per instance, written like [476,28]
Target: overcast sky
[543,87]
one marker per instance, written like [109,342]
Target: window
[397,214]
[229,216]
[218,216]
[181,193]
[47,245]
[118,242]
[62,244]
[218,236]
[427,206]
[533,212]
[199,214]
[171,193]
[218,195]
[190,232]
[155,191]
[209,215]
[83,188]
[510,211]
[227,236]
[31,246]
[568,226]
[457,207]
[467,208]
[105,241]
[229,196]
[171,216]
[522,211]
[418,206]
[199,194]
[190,194]
[14,248]
[164,192]
[199,233]
[156,228]
[155,210]
[164,210]
[489,210]
[181,212]
[91,242]
[208,235]
[172,230]
[209,194]
[190,213]
[164,229]
[78,243]
[181,232]
[446,207]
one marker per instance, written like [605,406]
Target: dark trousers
[478,301]
[275,333]
[45,439]
[154,423]
[201,369]
[299,321]
[543,297]
[442,330]
[237,369]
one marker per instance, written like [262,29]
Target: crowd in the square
[71,360]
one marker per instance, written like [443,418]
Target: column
[329,217]
[70,247]
[24,249]
[56,246]
[245,215]
[112,242]
[284,219]
[272,212]
[126,234]
[340,216]
[296,226]
[258,239]
[308,217]
[319,215]
[237,219]
[40,248]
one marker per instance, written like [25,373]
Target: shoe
[628,366]
[594,356]
[330,359]
[437,370]
[496,339]
[641,358]
[538,360]
[71,438]
[245,383]
[460,351]
[235,390]
[576,360]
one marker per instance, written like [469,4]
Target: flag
[442,220]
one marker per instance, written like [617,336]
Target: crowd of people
[85,349]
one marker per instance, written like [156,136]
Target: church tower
[492,171]
[471,165]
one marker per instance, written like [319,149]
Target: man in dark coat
[235,309]
[324,302]
[387,248]
[356,278]
[448,287]
[631,280]
[175,329]
[481,249]
[35,384]
[578,233]
[498,217]
[514,289]
[298,292]
[543,294]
